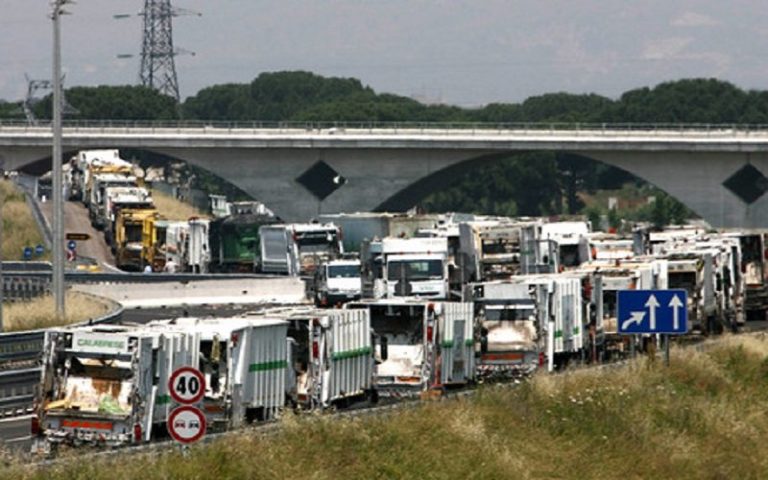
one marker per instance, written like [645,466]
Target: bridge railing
[214,126]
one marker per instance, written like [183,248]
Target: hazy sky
[464,52]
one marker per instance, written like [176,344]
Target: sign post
[653,312]
[80,237]
[186,423]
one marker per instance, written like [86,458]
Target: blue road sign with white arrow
[652,311]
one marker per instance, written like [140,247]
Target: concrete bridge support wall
[696,179]
[372,176]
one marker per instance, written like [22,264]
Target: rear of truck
[332,356]
[508,330]
[753,251]
[407,331]
[96,389]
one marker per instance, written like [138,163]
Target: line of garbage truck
[430,302]
[399,305]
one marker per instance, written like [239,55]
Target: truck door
[459,360]
[237,371]
[50,358]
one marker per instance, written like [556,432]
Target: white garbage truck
[299,248]
[106,385]
[331,355]
[422,345]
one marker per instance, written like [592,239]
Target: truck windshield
[133,233]
[569,255]
[683,280]
[316,239]
[415,269]
[500,246]
[343,271]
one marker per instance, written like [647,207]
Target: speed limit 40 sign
[186,385]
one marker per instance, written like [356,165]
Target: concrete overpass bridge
[720,172]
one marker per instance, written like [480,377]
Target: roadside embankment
[40,312]
[19,227]
[702,417]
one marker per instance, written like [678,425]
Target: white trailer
[332,356]
[198,252]
[422,345]
[116,198]
[495,250]
[244,361]
[80,169]
[97,195]
[511,328]
[571,240]
[639,273]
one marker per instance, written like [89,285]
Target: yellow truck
[130,239]
[154,240]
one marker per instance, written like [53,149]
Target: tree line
[523,184]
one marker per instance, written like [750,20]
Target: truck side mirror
[484,341]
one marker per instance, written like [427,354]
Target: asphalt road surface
[76,221]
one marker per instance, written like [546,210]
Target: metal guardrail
[20,347]
[28,185]
[110,126]
[25,288]
[18,389]
[14,267]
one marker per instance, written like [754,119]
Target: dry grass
[19,227]
[40,312]
[703,417]
[174,209]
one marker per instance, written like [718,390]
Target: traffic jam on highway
[398,306]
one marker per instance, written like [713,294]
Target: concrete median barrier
[203,292]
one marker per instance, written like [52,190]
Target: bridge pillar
[725,189]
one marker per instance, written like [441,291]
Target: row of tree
[524,184]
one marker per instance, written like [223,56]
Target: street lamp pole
[58,210]
[2,284]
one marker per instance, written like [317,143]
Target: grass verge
[40,312]
[703,417]
[19,227]
[174,209]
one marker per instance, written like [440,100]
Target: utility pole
[2,284]
[57,180]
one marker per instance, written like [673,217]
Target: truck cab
[415,267]
[337,282]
